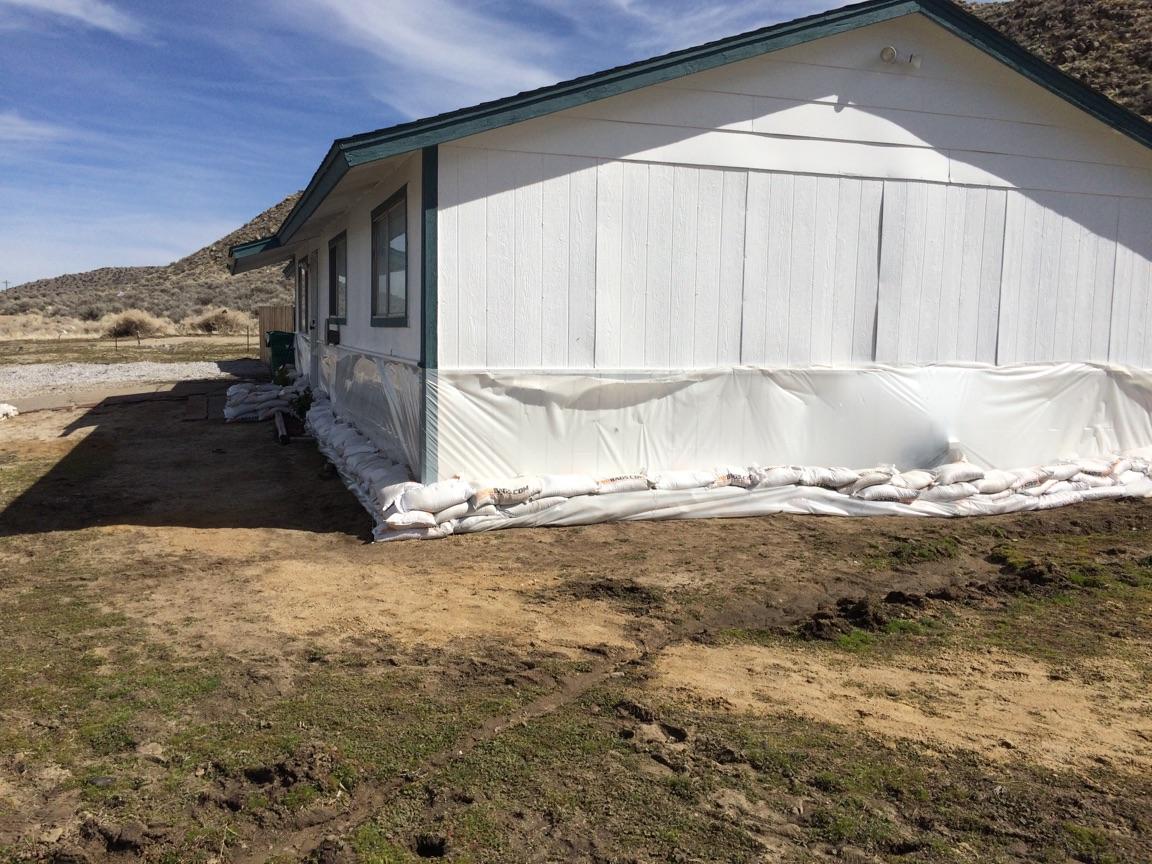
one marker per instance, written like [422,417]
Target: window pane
[380,262]
[338,278]
[397,262]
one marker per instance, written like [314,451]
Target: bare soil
[208,661]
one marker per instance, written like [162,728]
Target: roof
[346,153]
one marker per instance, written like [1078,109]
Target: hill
[1105,43]
[174,291]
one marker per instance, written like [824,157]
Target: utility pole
[5,284]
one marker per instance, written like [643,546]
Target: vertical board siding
[936,263]
[551,261]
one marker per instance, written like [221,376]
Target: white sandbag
[381,476]
[887,492]
[506,493]
[1027,478]
[1038,489]
[411,519]
[271,411]
[872,477]
[778,476]
[363,447]
[623,483]
[567,485]
[1120,467]
[435,533]
[387,496]
[1129,477]
[829,478]
[995,481]
[456,511]
[949,492]
[745,478]
[1093,481]
[7,411]
[537,506]
[957,472]
[1062,470]
[917,479]
[437,496]
[1099,467]
[677,481]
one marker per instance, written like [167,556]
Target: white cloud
[14,128]
[97,14]
[438,54]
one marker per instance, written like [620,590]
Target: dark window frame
[400,196]
[333,283]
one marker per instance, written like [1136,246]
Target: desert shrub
[36,326]
[220,321]
[135,323]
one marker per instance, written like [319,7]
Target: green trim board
[346,153]
[429,310]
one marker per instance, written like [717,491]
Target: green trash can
[282,348]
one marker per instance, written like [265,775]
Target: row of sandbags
[251,401]
[405,510]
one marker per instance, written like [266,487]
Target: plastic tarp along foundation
[382,397]
[499,424]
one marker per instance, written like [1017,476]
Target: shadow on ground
[168,459]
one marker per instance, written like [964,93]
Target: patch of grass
[1089,844]
[923,549]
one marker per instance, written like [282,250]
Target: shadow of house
[168,459]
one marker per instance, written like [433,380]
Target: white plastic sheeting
[501,424]
[382,397]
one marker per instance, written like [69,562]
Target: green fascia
[253,247]
[346,153]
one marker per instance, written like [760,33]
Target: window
[338,279]
[390,262]
[302,292]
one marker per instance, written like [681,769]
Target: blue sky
[135,131]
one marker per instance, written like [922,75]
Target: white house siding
[359,334]
[814,206]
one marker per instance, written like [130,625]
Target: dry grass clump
[216,320]
[135,323]
[33,325]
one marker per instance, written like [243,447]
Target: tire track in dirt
[304,842]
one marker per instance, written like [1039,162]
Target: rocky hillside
[174,291]
[1104,43]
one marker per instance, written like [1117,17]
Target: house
[866,236]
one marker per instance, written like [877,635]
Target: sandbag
[676,481]
[916,479]
[1029,477]
[995,481]
[411,519]
[949,492]
[1062,470]
[435,533]
[387,496]
[623,483]
[567,485]
[873,477]
[781,475]
[958,472]
[507,493]
[436,496]
[887,492]
[829,478]
[745,478]
[456,511]
[1093,481]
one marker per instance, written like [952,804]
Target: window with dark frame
[390,262]
[338,279]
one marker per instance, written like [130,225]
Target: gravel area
[37,378]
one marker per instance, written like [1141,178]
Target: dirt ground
[205,660]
